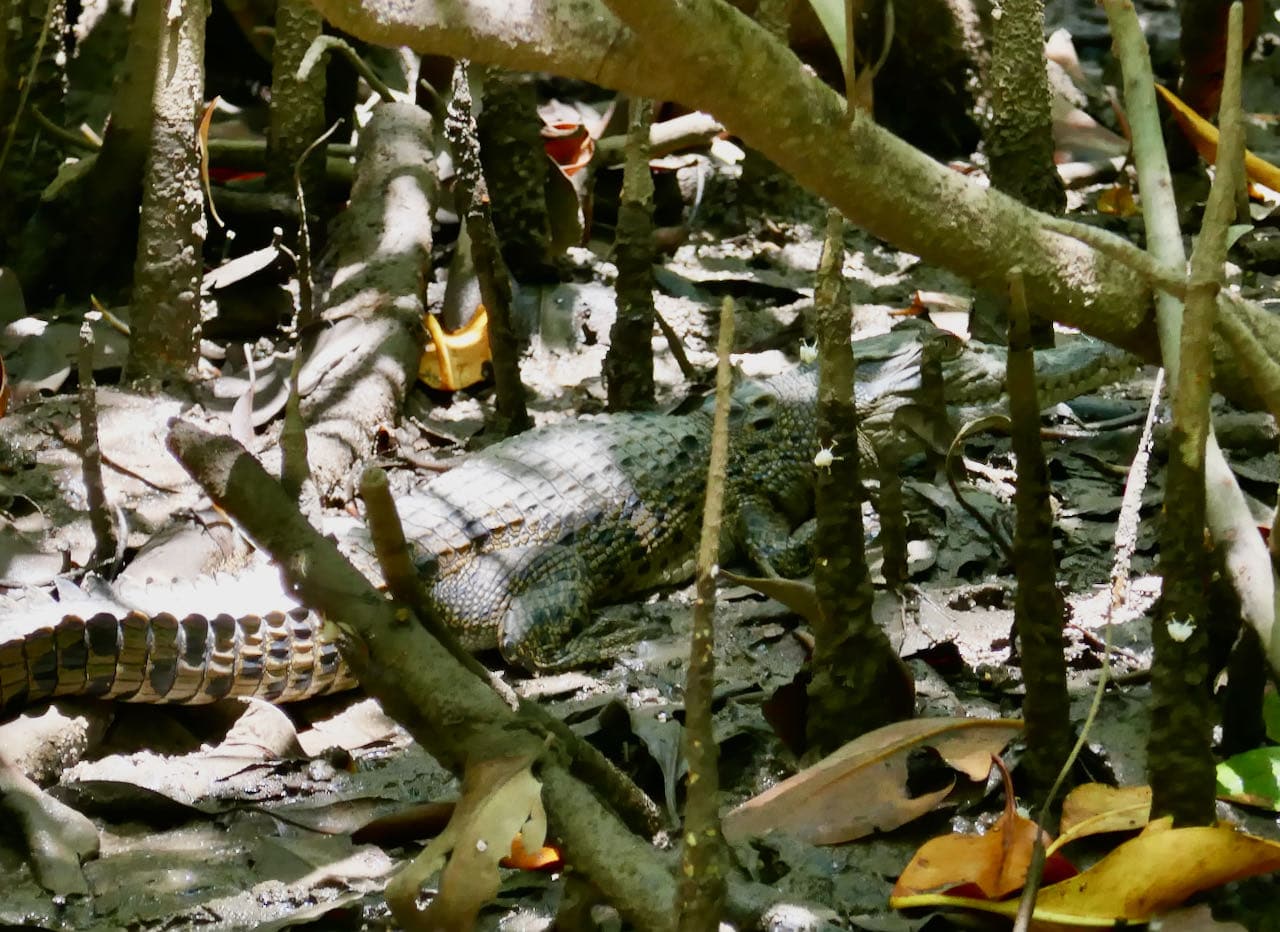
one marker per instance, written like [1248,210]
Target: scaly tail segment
[280,657]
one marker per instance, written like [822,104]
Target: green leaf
[1271,716]
[831,14]
[1253,777]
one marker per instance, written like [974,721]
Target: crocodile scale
[279,656]
[518,543]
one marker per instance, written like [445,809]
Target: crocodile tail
[278,656]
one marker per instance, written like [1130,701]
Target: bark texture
[628,367]
[165,337]
[858,682]
[1037,609]
[357,369]
[297,107]
[515,168]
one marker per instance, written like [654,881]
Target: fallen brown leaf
[1095,808]
[862,787]
[991,865]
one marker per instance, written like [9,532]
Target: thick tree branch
[424,687]
[707,55]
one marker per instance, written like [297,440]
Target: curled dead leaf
[989,866]
[862,787]
[500,799]
[453,361]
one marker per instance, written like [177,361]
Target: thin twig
[32,79]
[322,45]
[687,369]
[105,547]
[77,140]
[702,886]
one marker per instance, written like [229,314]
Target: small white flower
[808,351]
[1180,630]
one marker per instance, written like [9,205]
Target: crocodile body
[519,542]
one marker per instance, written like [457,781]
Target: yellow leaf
[1095,808]
[1138,881]
[1204,137]
[451,361]
[1158,870]
[1117,201]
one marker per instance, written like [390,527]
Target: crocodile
[520,541]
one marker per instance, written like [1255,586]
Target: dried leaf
[1158,870]
[1095,808]
[202,136]
[241,420]
[799,595]
[1138,881]
[862,787]
[569,145]
[500,798]
[991,865]
[1117,201]
[539,859]
[241,268]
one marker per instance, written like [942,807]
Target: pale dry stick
[1126,539]
[306,299]
[323,45]
[294,469]
[1232,526]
